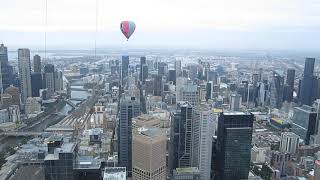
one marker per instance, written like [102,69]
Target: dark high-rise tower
[3,54]
[309,84]
[288,88]
[180,150]
[142,62]
[36,84]
[124,67]
[129,108]
[172,76]
[162,68]
[49,78]
[36,63]
[290,77]
[157,85]
[6,71]
[234,145]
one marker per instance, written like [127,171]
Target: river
[50,120]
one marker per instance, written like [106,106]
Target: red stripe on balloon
[126,28]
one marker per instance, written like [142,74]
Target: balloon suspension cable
[45,29]
[95,35]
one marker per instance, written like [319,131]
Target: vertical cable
[95,35]
[45,31]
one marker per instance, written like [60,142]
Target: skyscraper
[162,69]
[149,154]
[36,84]
[276,91]
[177,67]
[124,68]
[234,145]
[145,72]
[235,102]
[37,64]
[3,54]
[180,148]
[202,133]
[58,80]
[290,77]
[172,76]
[24,74]
[129,108]
[6,71]
[304,122]
[49,78]
[308,88]
[190,94]
[157,85]
[142,62]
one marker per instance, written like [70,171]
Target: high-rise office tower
[276,91]
[209,89]
[234,145]
[255,79]
[162,69]
[172,76]
[124,68]
[36,84]
[157,85]
[6,71]
[58,80]
[304,122]
[190,94]
[180,148]
[290,77]
[142,62]
[235,102]
[289,142]
[3,54]
[288,88]
[37,64]
[145,72]
[129,108]
[59,164]
[149,154]
[49,78]
[24,74]
[212,76]
[308,88]
[177,67]
[202,133]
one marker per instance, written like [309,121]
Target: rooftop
[151,132]
[187,170]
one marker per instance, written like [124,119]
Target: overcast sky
[284,24]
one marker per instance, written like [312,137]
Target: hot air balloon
[127,28]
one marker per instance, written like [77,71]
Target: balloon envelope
[127,28]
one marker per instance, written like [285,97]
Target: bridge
[71,104]
[20,133]
[78,89]
[76,99]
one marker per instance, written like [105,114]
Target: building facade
[129,108]
[149,154]
[24,74]
[234,145]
